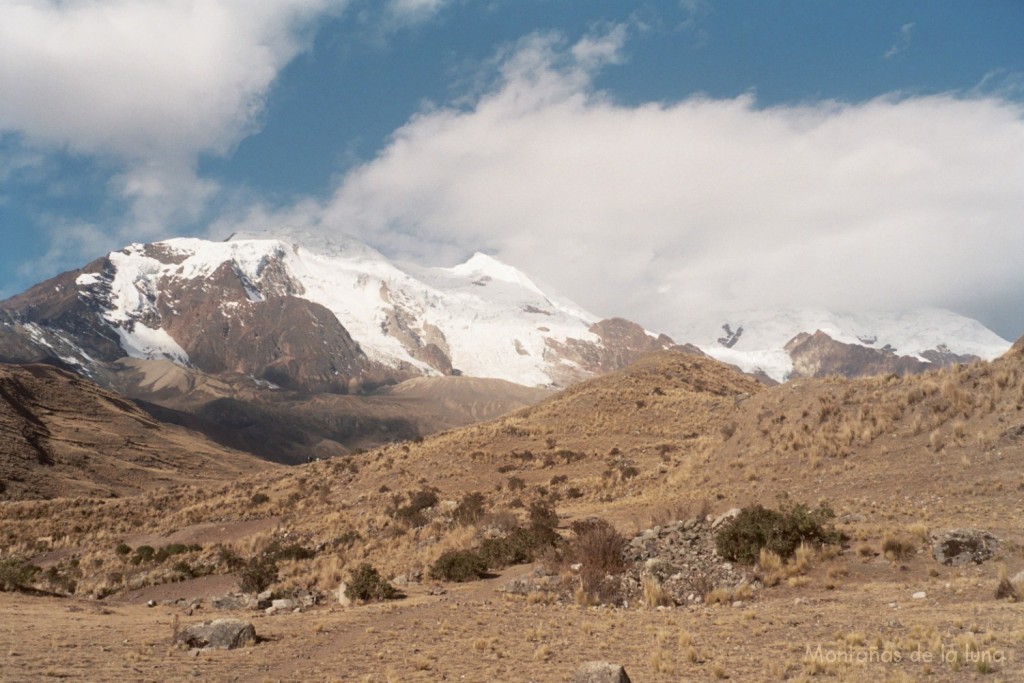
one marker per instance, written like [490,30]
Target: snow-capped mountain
[791,343]
[317,315]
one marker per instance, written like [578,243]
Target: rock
[283,604]
[919,595]
[600,672]
[151,603]
[220,634]
[230,602]
[961,547]
[343,599]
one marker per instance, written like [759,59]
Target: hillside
[62,436]
[899,459]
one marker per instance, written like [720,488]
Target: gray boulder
[601,672]
[220,634]
[961,547]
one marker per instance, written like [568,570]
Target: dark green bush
[16,573]
[259,498]
[258,574]
[459,566]
[366,583]
[144,553]
[781,531]
[123,549]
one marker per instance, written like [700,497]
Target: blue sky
[647,159]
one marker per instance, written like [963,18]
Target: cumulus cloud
[662,212]
[145,84]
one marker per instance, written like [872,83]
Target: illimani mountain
[292,351]
[333,317]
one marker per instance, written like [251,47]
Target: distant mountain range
[789,343]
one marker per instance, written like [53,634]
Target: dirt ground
[864,626]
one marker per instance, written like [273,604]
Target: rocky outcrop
[819,355]
[220,634]
[621,342]
[960,547]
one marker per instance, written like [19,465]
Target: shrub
[470,509]
[366,583]
[16,573]
[597,547]
[144,553]
[123,549]
[780,531]
[459,566]
[292,551]
[412,513]
[543,515]
[229,558]
[517,547]
[259,573]
[516,484]
[259,498]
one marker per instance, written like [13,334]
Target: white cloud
[148,84]
[664,211]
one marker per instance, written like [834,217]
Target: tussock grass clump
[898,548]
[780,531]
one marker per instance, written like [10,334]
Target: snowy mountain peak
[757,340]
[327,313]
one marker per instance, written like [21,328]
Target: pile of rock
[682,558]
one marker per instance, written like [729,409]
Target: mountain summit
[333,316]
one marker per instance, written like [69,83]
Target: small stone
[283,604]
[919,595]
[151,603]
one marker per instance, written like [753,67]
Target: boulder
[220,634]
[961,547]
[601,672]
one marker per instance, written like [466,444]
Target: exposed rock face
[220,634]
[961,547]
[818,355]
[622,342]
